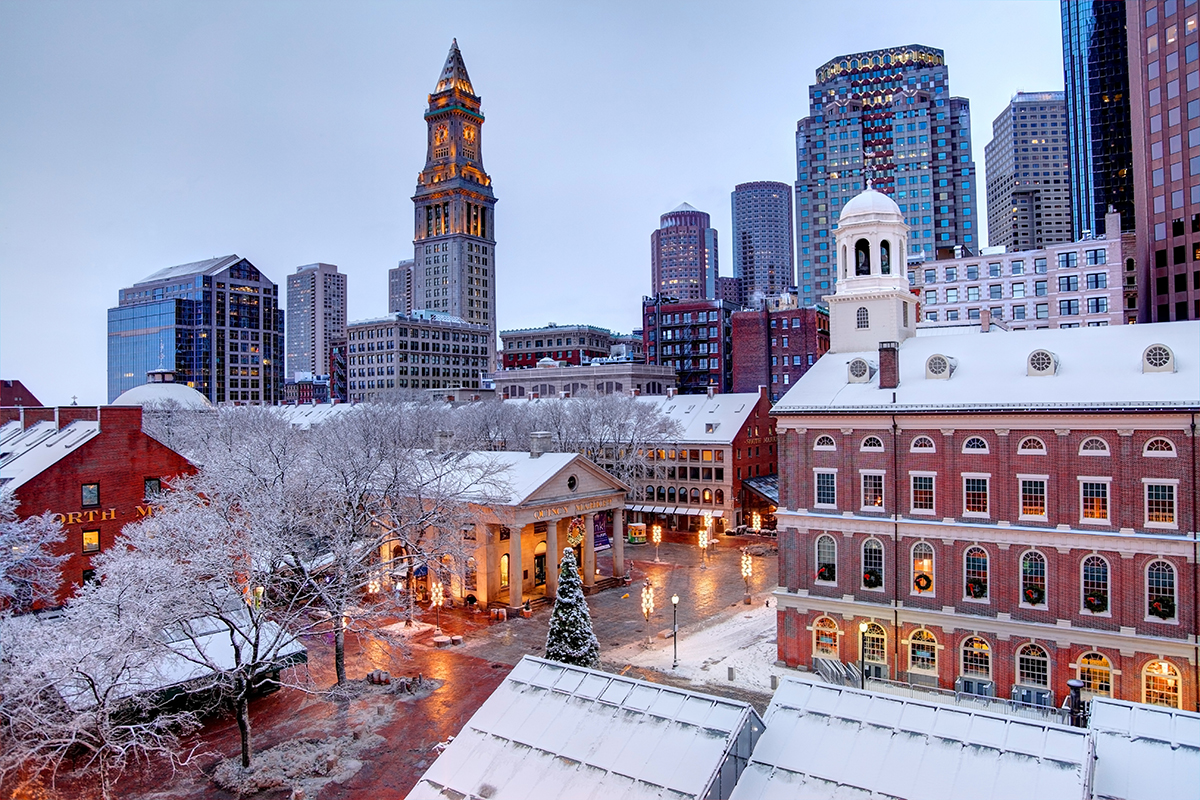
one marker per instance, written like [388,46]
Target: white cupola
[872,302]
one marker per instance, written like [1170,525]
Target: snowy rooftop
[209,266]
[24,454]
[843,744]
[1145,752]
[523,476]
[307,415]
[704,419]
[1097,368]
[555,731]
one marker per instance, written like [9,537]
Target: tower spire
[454,73]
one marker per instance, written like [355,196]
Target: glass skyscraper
[1096,76]
[884,117]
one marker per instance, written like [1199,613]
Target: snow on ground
[742,637]
[405,630]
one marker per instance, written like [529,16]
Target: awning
[765,486]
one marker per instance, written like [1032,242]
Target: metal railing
[996,705]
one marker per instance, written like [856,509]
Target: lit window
[1096,673]
[922,493]
[1160,504]
[91,541]
[1033,497]
[975,496]
[872,491]
[1033,666]
[922,567]
[1093,501]
[1160,684]
[874,644]
[976,658]
[825,638]
[922,651]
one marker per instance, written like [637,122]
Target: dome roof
[153,393]
[870,203]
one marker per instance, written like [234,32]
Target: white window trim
[1113,673]
[966,597]
[912,448]
[1178,672]
[977,514]
[1098,453]
[1022,452]
[962,649]
[1146,593]
[1081,480]
[986,451]
[862,556]
[882,487]
[816,558]
[912,588]
[1146,483]
[1083,609]
[929,512]
[1045,606]
[863,448]
[1033,517]
[828,471]
[938,647]
[824,447]
[1174,452]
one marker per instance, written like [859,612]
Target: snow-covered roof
[1144,752]
[307,415]
[555,731]
[523,476]
[683,207]
[1096,368]
[25,454]
[704,419]
[841,743]
[163,393]
[869,203]
[210,266]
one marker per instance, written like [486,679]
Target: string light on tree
[705,534]
[656,537]
[747,571]
[436,598]
[756,521]
[647,600]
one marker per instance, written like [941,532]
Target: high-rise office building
[316,317]
[1164,83]
[216,323]
[886,118]
[1028,177]
[683,255]
[1096,76]
[762,238]
[400,279]
[454,240]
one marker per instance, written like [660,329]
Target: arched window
[1094,446]
[975,445]
[1160,684]
[862,258]
[874,644]
[662,494]
[1160,590]
[872,444]
[885,257]
[683,494]
[1032,446]
[1033,578]
[1033,666]
[976,658]
[504,571]
[1096,673]
[826,558]
[922,444]
[922,651]
[975,583]
[708,496]
[1095,584]
[825,638]
[720,495]
[670,494]
[1159,448]
[649,493]
[922,567]
[695,495]
[863,318]
[872,560]
[824,443]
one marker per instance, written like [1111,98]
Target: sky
[137,136]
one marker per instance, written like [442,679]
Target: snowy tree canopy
[570,638]
[29,570]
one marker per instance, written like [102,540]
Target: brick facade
[775,347]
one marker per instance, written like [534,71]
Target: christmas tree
[570,638]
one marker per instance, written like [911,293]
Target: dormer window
[1158,358]
[1042,363]
[939,367]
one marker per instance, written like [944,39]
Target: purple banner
[600,531]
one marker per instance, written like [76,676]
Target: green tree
[570,638]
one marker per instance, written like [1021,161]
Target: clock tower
[454,241]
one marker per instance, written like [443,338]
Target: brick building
[90,466]
[695,337]
[556,379]
[990,513]
[777,344]
[570,344]
[14,393]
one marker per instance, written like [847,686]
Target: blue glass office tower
[1096,76]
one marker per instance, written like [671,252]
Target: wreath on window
[872,579]
[1034,595]
[976,589]
[1096,603]
[923,582]
[827,572]
[1162,607]
[575,531]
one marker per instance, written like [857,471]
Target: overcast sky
[136,136]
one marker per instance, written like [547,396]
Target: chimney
[1112,224]
[442,440]
[671,392]
[985,320]
[539,442]
[889,365]
[711,391]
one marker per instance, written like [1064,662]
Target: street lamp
[747,571]
[862,655]
[675,628]
[436,599]
[656,537]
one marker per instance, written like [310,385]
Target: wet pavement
[410,729]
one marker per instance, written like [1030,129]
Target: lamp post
[656,537]
[747,571]
[862,655]
[675,628]
[436,600]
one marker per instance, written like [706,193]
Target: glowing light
[656,535]
[436,598]
[647,600]
[747,566]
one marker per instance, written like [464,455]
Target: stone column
[618,542]
[516,574]
[553,556]
[589,550]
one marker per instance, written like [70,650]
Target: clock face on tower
[440,134]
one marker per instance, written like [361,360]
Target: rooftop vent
[1041,363]
[939,367]
[860,371]
[1158,358]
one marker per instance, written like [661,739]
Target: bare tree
[29,567]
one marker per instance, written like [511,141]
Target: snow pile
[293,764]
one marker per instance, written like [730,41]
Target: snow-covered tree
[570,638]
[29,568]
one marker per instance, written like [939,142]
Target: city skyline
[298,141]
